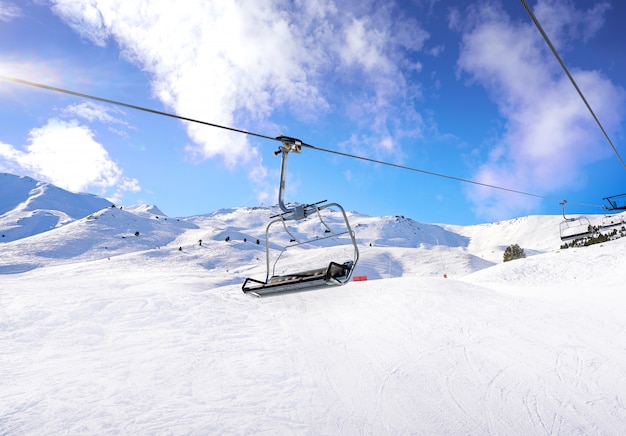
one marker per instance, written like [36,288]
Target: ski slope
[105,332]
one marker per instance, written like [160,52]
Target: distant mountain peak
[29,207]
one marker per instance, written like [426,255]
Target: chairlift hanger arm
[296,212]
[563,210]
[613,201]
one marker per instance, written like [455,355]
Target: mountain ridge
[45,228]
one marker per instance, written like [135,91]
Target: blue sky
[467,89]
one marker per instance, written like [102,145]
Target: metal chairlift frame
[614,202]
[581,226]
[335,274]
[612,220]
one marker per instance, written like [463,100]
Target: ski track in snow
[104,332]
[94,349]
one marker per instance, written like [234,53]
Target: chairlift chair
[616,202]
[331,273]
[612,220]
[572,228]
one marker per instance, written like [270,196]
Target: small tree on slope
[513,252]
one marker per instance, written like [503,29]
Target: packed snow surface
[126,321]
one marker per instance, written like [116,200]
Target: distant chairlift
[331,273]
[616,202]
[612,220]
[572,228]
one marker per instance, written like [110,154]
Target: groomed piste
[127,321]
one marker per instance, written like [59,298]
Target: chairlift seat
[334,274]
[612,221]
[570,237]
[575,228]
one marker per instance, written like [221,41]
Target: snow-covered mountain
[122,320]
[28,207]
[42,225]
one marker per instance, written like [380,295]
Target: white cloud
[564,24]
[66,154]
[237,63]
[9,11]
[550,135]
[365,47]
[84,18]
[91,112]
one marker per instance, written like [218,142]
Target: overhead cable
[131,106]
[367,159]
[258,135]
[582,96]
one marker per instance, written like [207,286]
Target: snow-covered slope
[108,232]
[126,321]
[151,342]
[535,233]
[28,207]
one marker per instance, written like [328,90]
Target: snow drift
[124,320]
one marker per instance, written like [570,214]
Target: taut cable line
[131,106]
[271,138]
[582,96]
